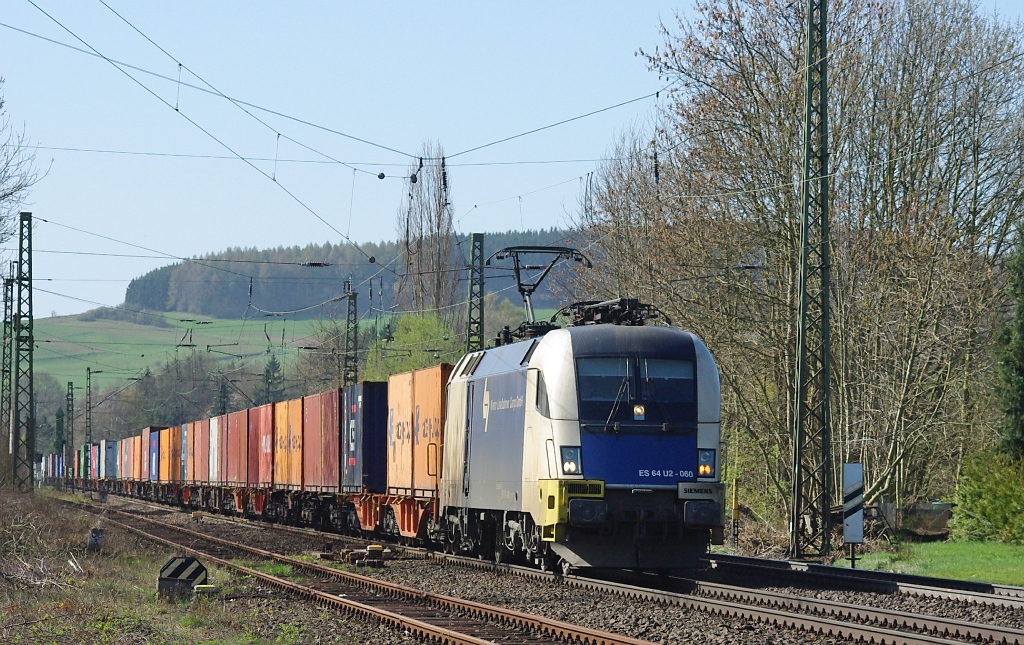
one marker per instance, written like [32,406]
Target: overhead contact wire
[209,134]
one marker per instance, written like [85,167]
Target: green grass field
[981,561]
[65,345]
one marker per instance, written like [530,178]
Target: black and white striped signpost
[179,576]
[853,508]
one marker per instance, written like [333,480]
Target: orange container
[173,437]
[137,457]
[401,416]
[164,475]
[288,444]
[429,396]
[295,441]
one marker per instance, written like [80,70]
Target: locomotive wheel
[566,567]
[547,561]
[501,553]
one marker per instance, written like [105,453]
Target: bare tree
[17,172]
[927,121]
[17,175]
[427,233]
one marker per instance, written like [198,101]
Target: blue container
[184,452]
[364,435]
[109,459]
[154,456]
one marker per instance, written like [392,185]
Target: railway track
[907,621]
[820,617]
[877,581]
[880,625]
[428,616]
[324,538]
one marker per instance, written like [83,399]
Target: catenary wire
[228,98]
[204,90]
[144,153]
[209,134]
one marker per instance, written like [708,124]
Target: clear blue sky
[393,73]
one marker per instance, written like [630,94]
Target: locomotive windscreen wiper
[618,400]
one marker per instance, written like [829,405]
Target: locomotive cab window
[670,387]
[605,388]
[604,379]
[639,394]
[668,381]
[543,407]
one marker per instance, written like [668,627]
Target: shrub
[990,499]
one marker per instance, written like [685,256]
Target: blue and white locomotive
[596,445]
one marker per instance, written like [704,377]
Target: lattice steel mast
[87,465]
[475,324]
[350,371]
[70,424]
[22,404]
[6,392]
[810,525]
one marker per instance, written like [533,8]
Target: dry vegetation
[53,591]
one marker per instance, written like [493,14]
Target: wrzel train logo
[422,431]
[290,443]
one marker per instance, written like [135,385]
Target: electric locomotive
[596,445]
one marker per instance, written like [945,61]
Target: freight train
[596,445]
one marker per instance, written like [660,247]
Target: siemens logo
[701,491]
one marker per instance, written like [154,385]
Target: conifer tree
[271,390]
[1010,354]
[222,402]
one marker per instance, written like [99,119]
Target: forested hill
[283,279]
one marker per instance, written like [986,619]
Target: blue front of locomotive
[635,411]
[637,406]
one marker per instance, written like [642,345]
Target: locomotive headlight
[572,463]
[638,412]
[705,463]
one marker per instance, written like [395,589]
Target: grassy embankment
[66,345]
[53,591]
[120,349]
[994,562]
